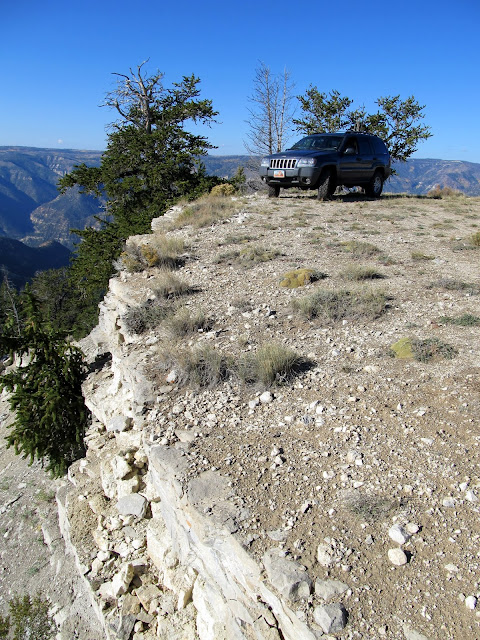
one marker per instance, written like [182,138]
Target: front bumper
[297,177]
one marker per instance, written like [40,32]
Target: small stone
[471,497]
[331,617]
[412,528]
[398,534]
[471,602]
[120,467]
[266,397]
[325,554]
[448,502]
[121,580]
[171,376]
[397,557]
[327,589]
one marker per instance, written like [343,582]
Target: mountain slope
[28,179]
[20,262]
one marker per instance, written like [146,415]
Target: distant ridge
[20,263]
[33,211]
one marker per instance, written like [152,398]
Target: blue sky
[57,60]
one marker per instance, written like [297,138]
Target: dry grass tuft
[342,304]
[206,211]
[271,364]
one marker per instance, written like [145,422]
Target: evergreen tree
[151,160]
[397,122]
[45,390]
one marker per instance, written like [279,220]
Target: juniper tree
[398,122]
[151,160]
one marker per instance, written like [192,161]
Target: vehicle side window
[379,146]
[351,143]
[364,144]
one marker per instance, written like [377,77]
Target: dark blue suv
[324,161]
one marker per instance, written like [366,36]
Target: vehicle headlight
[306,162]
[265,162]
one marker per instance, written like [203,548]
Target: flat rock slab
[133,504]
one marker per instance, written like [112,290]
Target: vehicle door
[349,162]
[366,161]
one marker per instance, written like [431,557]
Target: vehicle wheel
[325,184]
[375,187]
[273,191]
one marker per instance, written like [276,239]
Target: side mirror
[349,151]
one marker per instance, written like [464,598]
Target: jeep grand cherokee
[324,161]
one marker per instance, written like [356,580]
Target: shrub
[169,285]
[368,507]
[147,316]
[258,254]
[439,192]
[465,320]
[301,277]
[360,249]
[185,322]
[272,363]
[223,190]
[29,619]
[358,274]
[199,367]
[430,348]
[450,284]
[206,211]
[475,239]
[161,251]
[418,255]
[342,304]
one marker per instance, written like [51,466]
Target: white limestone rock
[397,557]
[289,577]
[133,504]
[331,617]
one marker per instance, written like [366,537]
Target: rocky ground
[33,560]
[366,467]
[363,467]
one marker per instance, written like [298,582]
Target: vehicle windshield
[319,143]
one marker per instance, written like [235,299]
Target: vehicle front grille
[283,163]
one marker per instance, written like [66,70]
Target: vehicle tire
[325,183]
[375,186]
[273,191]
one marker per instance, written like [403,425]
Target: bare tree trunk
[271,112]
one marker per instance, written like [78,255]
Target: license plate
[279,174]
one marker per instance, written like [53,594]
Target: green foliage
[397,122]
[151,161]
[45,390]
[29,619]
[239,179]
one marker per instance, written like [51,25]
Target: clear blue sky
[57,60]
